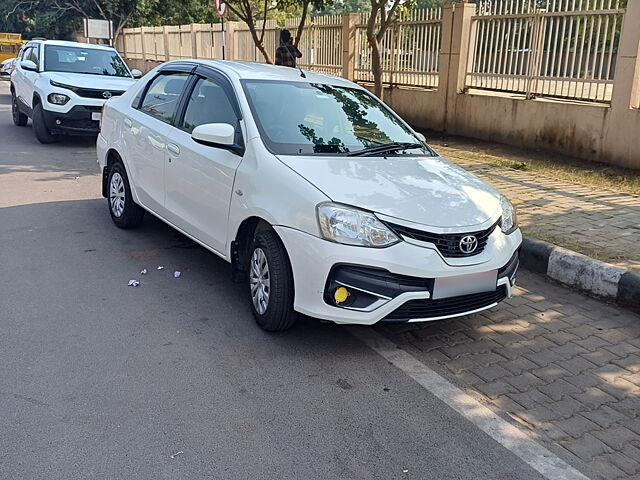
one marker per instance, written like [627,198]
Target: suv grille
[448,244]
[93,93]
[445,306]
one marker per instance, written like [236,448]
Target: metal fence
[409,49]
[320,44]
[555,48]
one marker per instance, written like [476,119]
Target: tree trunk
[303,19]
[376,68]
[259,43]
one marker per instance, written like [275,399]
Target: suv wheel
[19,118]
[40,128]
[125,213]
[270,283]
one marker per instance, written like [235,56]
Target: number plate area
[458,285]
[95,116]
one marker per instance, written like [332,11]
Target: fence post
[194,40]
[349,22]
[626,86]
[143,45]
[165,39]
[460,45]
[535,57]
[230,29]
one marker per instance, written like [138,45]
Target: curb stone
[579,271]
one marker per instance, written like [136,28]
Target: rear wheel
[19,118]
[42,133]
[125,213]
[271,283]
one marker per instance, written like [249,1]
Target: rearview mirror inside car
[28,65]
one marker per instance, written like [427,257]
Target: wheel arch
[112,156]
[241,243]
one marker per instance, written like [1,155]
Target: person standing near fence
[287,52]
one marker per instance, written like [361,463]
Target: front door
[145,132]
[199,178]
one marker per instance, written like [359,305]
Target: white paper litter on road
[143,271]
[134,283]
[176,274]
[160,267]
[176,454]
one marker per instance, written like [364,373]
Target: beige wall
[600,132]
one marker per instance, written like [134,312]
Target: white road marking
[515,439]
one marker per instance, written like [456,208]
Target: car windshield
[91,61]
[297,118]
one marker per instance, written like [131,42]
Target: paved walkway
[600,223]
[564,365]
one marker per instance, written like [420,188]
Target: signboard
[221,7]
[94,28]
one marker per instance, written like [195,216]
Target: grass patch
[559,167]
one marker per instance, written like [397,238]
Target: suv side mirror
[28,65]
[220,135]
[135,73]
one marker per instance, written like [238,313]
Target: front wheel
[19,118]
[42,133]
[125,213]
[271,283]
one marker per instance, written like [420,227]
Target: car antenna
[302,73]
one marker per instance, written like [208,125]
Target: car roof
[261,71]
[65,43]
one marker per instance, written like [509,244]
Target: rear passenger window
[208,103]
[163,95]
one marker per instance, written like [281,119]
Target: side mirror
[214,134]
[135,73]
[421,137]
[28,65]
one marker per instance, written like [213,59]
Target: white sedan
[324,201]
[6,66]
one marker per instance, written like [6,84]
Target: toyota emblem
[468,244]
[106,95]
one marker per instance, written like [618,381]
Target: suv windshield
[308,118]
[91,61]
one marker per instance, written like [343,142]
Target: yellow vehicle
[10,44]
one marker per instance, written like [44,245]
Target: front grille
[448,244]
[94,93]
[444,307]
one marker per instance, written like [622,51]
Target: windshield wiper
[385,148]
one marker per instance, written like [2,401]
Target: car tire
[125,213]
[19,118]
[270,282]
[40,129]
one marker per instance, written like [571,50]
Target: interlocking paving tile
[572,377]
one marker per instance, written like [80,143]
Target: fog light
[341,295]
[58,122]
[58,98]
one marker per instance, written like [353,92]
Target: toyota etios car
[323,200]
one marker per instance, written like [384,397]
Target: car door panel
[199,184]
[199,178]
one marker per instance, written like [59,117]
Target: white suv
[324,201]
[62,86]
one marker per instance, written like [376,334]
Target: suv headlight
[58,98]
[509,217]
[350,226]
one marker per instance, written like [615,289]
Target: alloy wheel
[259,280]
[116,194]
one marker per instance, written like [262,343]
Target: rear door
[145,130]
[19,77]
[199,178]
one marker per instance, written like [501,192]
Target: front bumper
[78,120]
[406,272]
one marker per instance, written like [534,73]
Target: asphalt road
[102,380]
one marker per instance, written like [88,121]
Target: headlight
[509,217]
[58,98]
[351,226]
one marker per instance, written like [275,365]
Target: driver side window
[208,103]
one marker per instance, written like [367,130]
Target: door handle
[173,148]
[128,123]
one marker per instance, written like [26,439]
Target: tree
[383,14]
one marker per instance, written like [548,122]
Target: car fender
[266,188]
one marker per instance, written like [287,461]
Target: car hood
[81,80]
[426,190]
